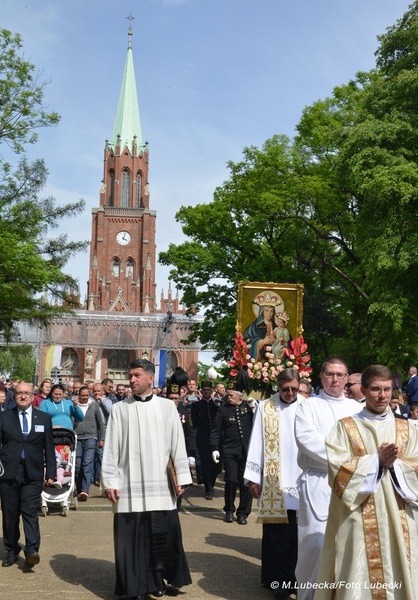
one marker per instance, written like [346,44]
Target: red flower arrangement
[297,357]
[240,355]
[263,374]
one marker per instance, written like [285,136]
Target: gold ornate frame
[291,295]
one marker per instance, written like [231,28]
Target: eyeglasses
[349,384]
[289,389]
[304,393]
[378,390]
[23,393]
[330,375]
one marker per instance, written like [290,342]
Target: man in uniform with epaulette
[229,441]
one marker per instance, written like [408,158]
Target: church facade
[121,318]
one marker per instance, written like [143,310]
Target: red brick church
[122,318]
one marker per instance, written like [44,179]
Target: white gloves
[215,456]
[192,461]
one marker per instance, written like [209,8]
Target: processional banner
[269,315]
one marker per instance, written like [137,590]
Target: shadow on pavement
[94,575]
[227,577]
[244,545]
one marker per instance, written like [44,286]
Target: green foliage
[31,261]
[334,209]
[18,361]
[21,95]
[231,239]
[202,370]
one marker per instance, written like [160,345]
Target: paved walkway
[77,554]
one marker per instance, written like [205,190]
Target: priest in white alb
[271,472]
[371,543]
[314,420]
[143,433]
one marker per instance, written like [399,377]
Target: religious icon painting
[269,316]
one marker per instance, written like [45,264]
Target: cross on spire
[130,19]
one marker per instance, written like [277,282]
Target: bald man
[353,388]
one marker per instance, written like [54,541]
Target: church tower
[122,252]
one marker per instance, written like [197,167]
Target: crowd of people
[333,472]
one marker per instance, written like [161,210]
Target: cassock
[371,541]
[314,420]
[140,438]
[272,463]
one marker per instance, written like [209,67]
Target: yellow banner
[53,358]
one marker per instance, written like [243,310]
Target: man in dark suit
[399,410]
[412,387]
[10,396]
[26,445]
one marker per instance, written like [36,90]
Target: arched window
[115,267]
[129,269]
[125,188]
[138,189]
[118,360]
[112,189]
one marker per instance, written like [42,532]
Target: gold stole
[272,507]
[368,507]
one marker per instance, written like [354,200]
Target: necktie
[25,429]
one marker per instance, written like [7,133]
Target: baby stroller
[63,490]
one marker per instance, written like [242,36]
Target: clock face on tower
[123,238]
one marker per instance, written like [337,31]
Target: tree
[335,209]
[31,261]
[18,361]
[245,234]
[380,154]
[267,223]
[21,96]
[374,157]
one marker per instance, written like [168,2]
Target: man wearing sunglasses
[271,471]
[314,420]
[353,388]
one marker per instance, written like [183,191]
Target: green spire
[128,124]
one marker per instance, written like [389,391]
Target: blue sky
[212,77]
